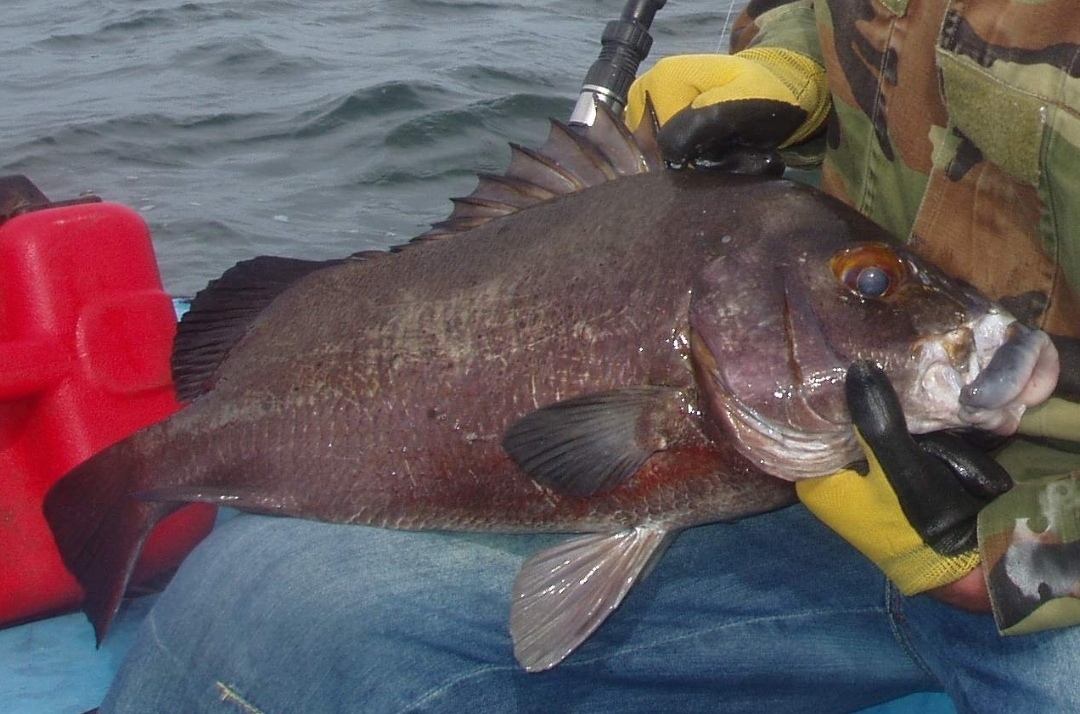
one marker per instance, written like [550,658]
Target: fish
[590,344]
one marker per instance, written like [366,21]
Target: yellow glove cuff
[865,512]
[681,81]
[804,78]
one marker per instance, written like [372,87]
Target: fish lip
[1022,373]
[989,384]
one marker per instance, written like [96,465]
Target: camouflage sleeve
[1030,539]
[790,24]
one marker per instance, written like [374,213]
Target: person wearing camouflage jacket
[955,125]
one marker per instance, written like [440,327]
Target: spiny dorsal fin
[573,158]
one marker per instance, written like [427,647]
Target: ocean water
[310,129]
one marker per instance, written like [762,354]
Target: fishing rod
[624,45]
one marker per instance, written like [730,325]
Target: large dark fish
[625,356]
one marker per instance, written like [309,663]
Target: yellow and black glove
[912,510]
[712,106]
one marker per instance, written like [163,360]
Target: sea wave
[239,127]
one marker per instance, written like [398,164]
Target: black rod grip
[623,47]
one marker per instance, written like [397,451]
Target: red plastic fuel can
[86,332]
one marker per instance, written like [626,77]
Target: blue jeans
[772,614]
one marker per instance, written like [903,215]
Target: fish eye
[872,281]
[871,270]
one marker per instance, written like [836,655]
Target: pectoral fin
[564,593]
[595,442]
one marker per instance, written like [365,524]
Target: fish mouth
[983,375]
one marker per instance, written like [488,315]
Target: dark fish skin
[388,389]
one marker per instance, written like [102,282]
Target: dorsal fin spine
[572,159]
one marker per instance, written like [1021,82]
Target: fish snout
[983,374]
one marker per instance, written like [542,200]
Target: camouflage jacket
[956,124]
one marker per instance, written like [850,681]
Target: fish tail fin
[100,525]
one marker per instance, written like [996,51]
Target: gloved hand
[914,510]
[710,105]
